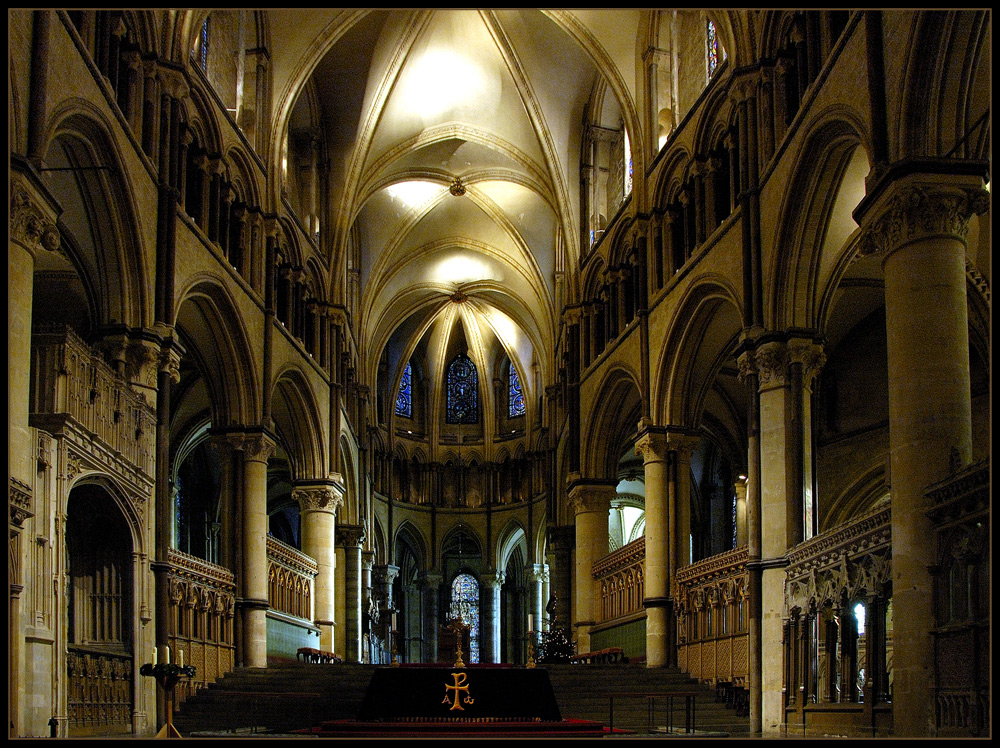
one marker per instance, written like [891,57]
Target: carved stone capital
[319,498]
[19,502]
[30,225]
[810,355]
[173,83]
[492,579]
[747,364]
[350,536]
[384,575]
[589,497]
[771,361]
[918,209]
[652,447]
[255,447]
[536,574]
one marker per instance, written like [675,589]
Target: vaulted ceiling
[453,139]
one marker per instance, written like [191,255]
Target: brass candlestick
[458,627]
[392,638]
[531,650]
[167,675]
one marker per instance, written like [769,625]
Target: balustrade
[620,577]
[202,606]
[710,601]
[290,577]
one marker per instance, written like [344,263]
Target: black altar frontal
[442,693]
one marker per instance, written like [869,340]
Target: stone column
[351,537]
[591,502]
[784,370]
[682,446]
[660,643]
[432,621]
[536,577]
[256,449]
[32,232]
[367,604]
[489,637]
[318,504]
[561,540]
[918,223]
[740,487]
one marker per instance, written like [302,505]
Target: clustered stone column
[256,449]
[784,369]
[918,223]
[318,504]
[591,502]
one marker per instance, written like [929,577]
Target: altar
[473,693]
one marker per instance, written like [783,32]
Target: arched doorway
[99,616]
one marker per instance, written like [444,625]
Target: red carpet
[459,728]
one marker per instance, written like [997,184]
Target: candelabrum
[531,650]
[167,675]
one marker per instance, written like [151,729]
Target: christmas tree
[555,645]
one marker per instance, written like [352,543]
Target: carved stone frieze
[853,560]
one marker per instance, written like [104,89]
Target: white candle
[168,654]
[180,654]
[531,622]
[154,655]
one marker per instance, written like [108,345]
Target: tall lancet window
[404,398]
[203,51]
[713,48]
[465,603]
[515,397]
[463,391]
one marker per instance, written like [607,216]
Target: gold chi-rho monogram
[453,693]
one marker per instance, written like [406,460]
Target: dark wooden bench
[310,654]
[611,655]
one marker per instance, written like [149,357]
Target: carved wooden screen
[99,657]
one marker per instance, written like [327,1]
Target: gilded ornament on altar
[453,693]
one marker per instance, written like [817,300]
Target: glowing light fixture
[413,193]
[461,268]
[443,79]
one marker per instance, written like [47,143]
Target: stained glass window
[515,398]
[404,403]
[628,164]
[713,49]
[463,391]
[465,603]
[204,46]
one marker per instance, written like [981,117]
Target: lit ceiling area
[452,140]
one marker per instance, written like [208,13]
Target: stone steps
[292,696]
